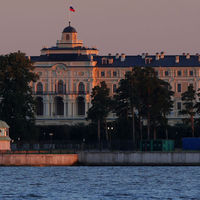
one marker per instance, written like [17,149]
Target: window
[67,37]
[39,106]
[81,106]
[179,73]
[39,73]
[109,74]
[110,61]
[191,73]
[81,88]
[102,74]
[166,73]
[60,87]
[114,88]
[114,73]
[39,88]
[46,87]
[156,73]
[179,105]
[179,87]
[104,61]
[59,106]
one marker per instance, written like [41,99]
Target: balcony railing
[61,93]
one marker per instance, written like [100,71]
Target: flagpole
[68,12]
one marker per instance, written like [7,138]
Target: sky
[113,26]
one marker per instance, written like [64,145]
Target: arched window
[114,88]
[39,106]
[67,37]
[81,88]
[81,106]
[59,106]
[60,87]
[39,88]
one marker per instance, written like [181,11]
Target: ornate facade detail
[69,71]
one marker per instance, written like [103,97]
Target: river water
[99,183]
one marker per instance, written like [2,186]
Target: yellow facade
[69,71]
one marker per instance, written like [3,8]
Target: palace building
[70,70]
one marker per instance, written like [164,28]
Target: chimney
[177,59]
[162,55]
[117,56]
[123,57]
[188,56]
[157,56]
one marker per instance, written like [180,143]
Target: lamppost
[110,132]
[51,136]
[83,144]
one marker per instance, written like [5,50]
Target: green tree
[190,105]
[17,105]
[143,92]
[101,104]
[127,99]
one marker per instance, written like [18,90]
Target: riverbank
[103,159]
[139,158]
[38,159]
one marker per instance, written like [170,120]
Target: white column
[74,108]
[51,108]
[70,108]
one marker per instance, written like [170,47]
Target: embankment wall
[139,158]
[38,159]
[103,159]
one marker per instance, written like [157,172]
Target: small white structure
[4,136]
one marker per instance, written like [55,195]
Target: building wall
[38,159]
[75,103]
[92,76]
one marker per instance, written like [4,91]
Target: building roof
[3,124]
[129,61]
[149,61]
[60,57]
[69,29]
[70,48]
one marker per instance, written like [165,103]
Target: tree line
[141,103]
[140,98]
[17,105]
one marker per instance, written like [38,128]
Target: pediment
[59,67]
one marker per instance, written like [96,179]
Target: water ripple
[96,183]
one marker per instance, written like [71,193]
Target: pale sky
[113,26]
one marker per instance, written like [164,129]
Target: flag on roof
[71,9]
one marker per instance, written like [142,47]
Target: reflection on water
[101,183]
